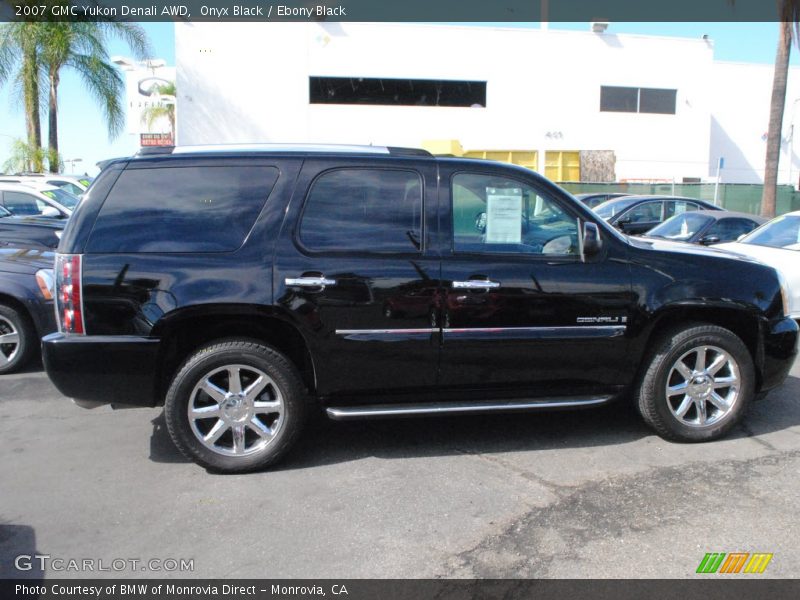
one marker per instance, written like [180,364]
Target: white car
[75,185]
[777,244]
[37,199]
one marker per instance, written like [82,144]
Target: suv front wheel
[235,406]
[697,384]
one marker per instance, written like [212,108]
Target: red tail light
[69,296]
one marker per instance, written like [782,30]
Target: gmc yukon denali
[242,286]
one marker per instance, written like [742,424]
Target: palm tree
[789,12]
[24,157]
[20,53]
[151,114]
[81,46]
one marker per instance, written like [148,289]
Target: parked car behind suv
[635,215]
[74,184]
[33,232]
[593,199]
[36,199]
[777,244]
[259,282]
[707,227]
[26,304]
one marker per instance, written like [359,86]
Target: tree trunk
[52,126]
[30,83]
[768,199]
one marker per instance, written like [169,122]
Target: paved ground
[587,494]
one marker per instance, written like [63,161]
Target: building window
[641,100]
[396,92]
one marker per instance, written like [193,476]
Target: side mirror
[592,243]
[739,239]
[49,211]
[710,239]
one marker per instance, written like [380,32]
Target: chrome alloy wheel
[236,410]
[9,341]
[703,386]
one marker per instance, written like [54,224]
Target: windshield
[782,232]
[69,187]
[614,207]
[680,227]
[63,198]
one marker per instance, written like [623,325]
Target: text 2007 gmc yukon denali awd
[241,286]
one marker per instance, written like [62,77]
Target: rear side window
[23,205]
[182,209]
[364,210]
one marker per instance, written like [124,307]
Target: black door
[522,309]
[355,270]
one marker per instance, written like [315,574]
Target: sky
[83,134]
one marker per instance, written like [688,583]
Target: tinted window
[396,92]
[181,209]
[64,198]
[678,207]
[613,207]
[68,187]
[680,227]
[494,214]
[21,204]
[728,230]
[646,212]
[363,210]
[657,101]
[618,99]
[642,100]
[782,232]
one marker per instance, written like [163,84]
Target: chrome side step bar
[374,411]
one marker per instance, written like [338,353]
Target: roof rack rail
[269,147]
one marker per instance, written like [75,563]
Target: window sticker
[680,208]
[504,215]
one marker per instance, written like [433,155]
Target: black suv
[242,286]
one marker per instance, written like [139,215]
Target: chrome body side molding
[453,408]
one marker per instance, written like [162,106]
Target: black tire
[211,364]
[662,413]
[16,355]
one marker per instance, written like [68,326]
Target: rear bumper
[104,369]
[779,352]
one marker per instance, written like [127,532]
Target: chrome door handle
[476,284]
[316,282]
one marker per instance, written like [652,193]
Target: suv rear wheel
[235,406]
[697,384]
[17,339]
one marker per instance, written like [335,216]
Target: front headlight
[784,293]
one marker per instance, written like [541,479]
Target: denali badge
[611,320]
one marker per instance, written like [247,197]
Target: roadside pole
[720,166]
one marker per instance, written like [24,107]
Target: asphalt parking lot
[580,494]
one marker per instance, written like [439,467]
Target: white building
[572,105]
